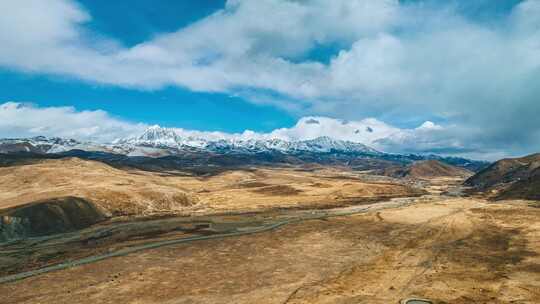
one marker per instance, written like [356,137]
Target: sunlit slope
[134,192]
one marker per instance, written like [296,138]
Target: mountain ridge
[428,169]
[157,142]
[509,178]
[159,137]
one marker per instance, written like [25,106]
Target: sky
[457,77]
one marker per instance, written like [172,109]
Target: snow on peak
[158,134]
[158,137]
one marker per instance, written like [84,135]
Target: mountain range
[157,142]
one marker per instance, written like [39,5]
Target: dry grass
[458,251]
[123,192]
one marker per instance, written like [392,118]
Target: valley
[270,152]
[83,230]
[449,250]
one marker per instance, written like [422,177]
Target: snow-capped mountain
[156,142]
[40,144]
[165,138]
[158,137]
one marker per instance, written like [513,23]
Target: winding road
[302,216]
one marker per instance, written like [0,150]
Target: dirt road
[451,251]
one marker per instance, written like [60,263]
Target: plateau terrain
[121,229]
[270,152]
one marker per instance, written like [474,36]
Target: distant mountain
[39,144]
[165,138]
[511,178]
[427,169]
[159,137]
[157,142]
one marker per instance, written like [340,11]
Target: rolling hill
[511,178]
[427,169]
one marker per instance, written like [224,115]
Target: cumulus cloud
[29,120]
[22,120]
[399,61]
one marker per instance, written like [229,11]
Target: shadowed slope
[517,178]
[48,217]
[427,169]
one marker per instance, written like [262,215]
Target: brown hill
[114,191]
[117,192]
[427,169]
[48,217]
[511,178]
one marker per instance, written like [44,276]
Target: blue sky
[467,66]
[168,107]
[141,20]
[171,106]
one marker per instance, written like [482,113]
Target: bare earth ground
[458,250]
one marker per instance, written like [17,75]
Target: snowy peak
[159,137]
[327,144]
[38,144]
[166,141]
[156,142]
[156,135]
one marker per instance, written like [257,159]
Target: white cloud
[218,53]
[28,120]
[399,61]
[20,120]
[369,131]
[356,131]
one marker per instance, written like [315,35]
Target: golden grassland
[134,192]
[451,251]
